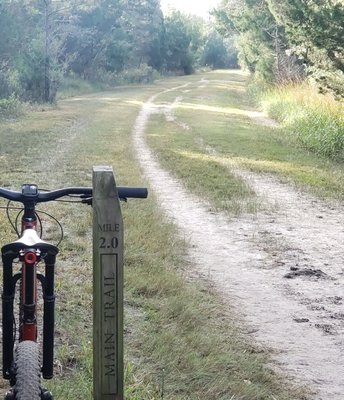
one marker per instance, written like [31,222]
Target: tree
[178,41]
[280,40]
[144,24]
[41,41]
[32,46]
[99,40]
[261,39]
[315,31]
[255,29]
[219,52]
[17,30]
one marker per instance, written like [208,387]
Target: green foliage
[279,40]
[317,23]
[143,74]
[34,52]
[75,86]
[106,41]
[178,41]
[219,52]
[315,31]
[30,68]
[4,85]
[99,40]
[144,22]
[257,28]
[321,133]
[10,107]
[314,120]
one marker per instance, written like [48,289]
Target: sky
[197,7]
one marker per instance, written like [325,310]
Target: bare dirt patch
[261,118]
[299,317]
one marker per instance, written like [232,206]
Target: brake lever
[87,201]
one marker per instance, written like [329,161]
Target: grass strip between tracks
[207,130]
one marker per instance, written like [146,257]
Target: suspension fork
[29,220]
[29,307]
[9,284]
[48,316]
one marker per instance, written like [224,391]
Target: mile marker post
[108,371]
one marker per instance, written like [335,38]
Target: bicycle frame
[30,250]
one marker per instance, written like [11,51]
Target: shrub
[315,120]
[75,86]
[11,107]
[142,74]
[5,89]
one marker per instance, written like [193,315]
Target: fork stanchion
[108,371]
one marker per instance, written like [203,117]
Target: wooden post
[108,374]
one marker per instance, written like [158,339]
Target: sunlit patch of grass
[241,140]
[232,96]
[201,173]
[135,102]
[240,88]
[211,109]
[217,140]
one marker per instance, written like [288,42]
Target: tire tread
[28,371]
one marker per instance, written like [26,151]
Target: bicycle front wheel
[27,368]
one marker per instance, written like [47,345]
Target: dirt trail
[282,269]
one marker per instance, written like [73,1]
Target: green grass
[316,121]
[181,341]
[73,86]
[220,138]
[201,172]
[11,108]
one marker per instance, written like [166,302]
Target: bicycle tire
[27,369]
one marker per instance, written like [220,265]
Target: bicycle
[22,362]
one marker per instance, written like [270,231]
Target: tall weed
[142,74]
[315,120]
[105,80]
[11,107]
[73,86]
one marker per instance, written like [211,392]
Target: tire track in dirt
[300,320]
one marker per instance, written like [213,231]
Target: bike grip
[131,192]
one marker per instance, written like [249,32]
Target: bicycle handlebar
[41,197]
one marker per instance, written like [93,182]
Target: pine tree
[315,31]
